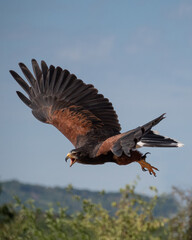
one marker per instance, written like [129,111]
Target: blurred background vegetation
[36,212]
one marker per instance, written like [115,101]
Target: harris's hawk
[86,118]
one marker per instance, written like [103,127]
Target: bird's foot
[145,166]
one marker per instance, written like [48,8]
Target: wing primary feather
[21,82]
[36,69]
[62,81]
[44,68]
[69,93]
[28,74]
[86,94]
[38,74]
[57,82]
[49,80]
[24,99]
[77,91]
[53,80]
[69,78]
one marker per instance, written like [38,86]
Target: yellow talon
[146,166]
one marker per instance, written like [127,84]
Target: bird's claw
[145,155]
[145,166]
[144,169]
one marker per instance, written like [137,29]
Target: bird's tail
[141,136]
[153,139]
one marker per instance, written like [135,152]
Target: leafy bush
[133,220]
[180,226]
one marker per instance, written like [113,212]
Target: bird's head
[74,155]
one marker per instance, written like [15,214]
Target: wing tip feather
[21,65]
[24,99]
[13,73]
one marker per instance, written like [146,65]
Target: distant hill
[70,198]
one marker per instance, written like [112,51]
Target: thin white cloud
[88,50]
[142,39]
[132,48]
[182,10]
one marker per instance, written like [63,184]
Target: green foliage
[180,226]
[7,213]
[133,220]
[44,196]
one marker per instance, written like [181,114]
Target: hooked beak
[70,156]
[67,157]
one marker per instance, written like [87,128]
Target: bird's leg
[146,166]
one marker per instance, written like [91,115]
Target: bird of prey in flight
[86,118]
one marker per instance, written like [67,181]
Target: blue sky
[137,53]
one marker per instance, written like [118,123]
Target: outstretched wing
[125,142]
[59,98]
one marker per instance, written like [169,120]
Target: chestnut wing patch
[108,144]
[74,122]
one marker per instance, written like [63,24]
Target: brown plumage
[86,118]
